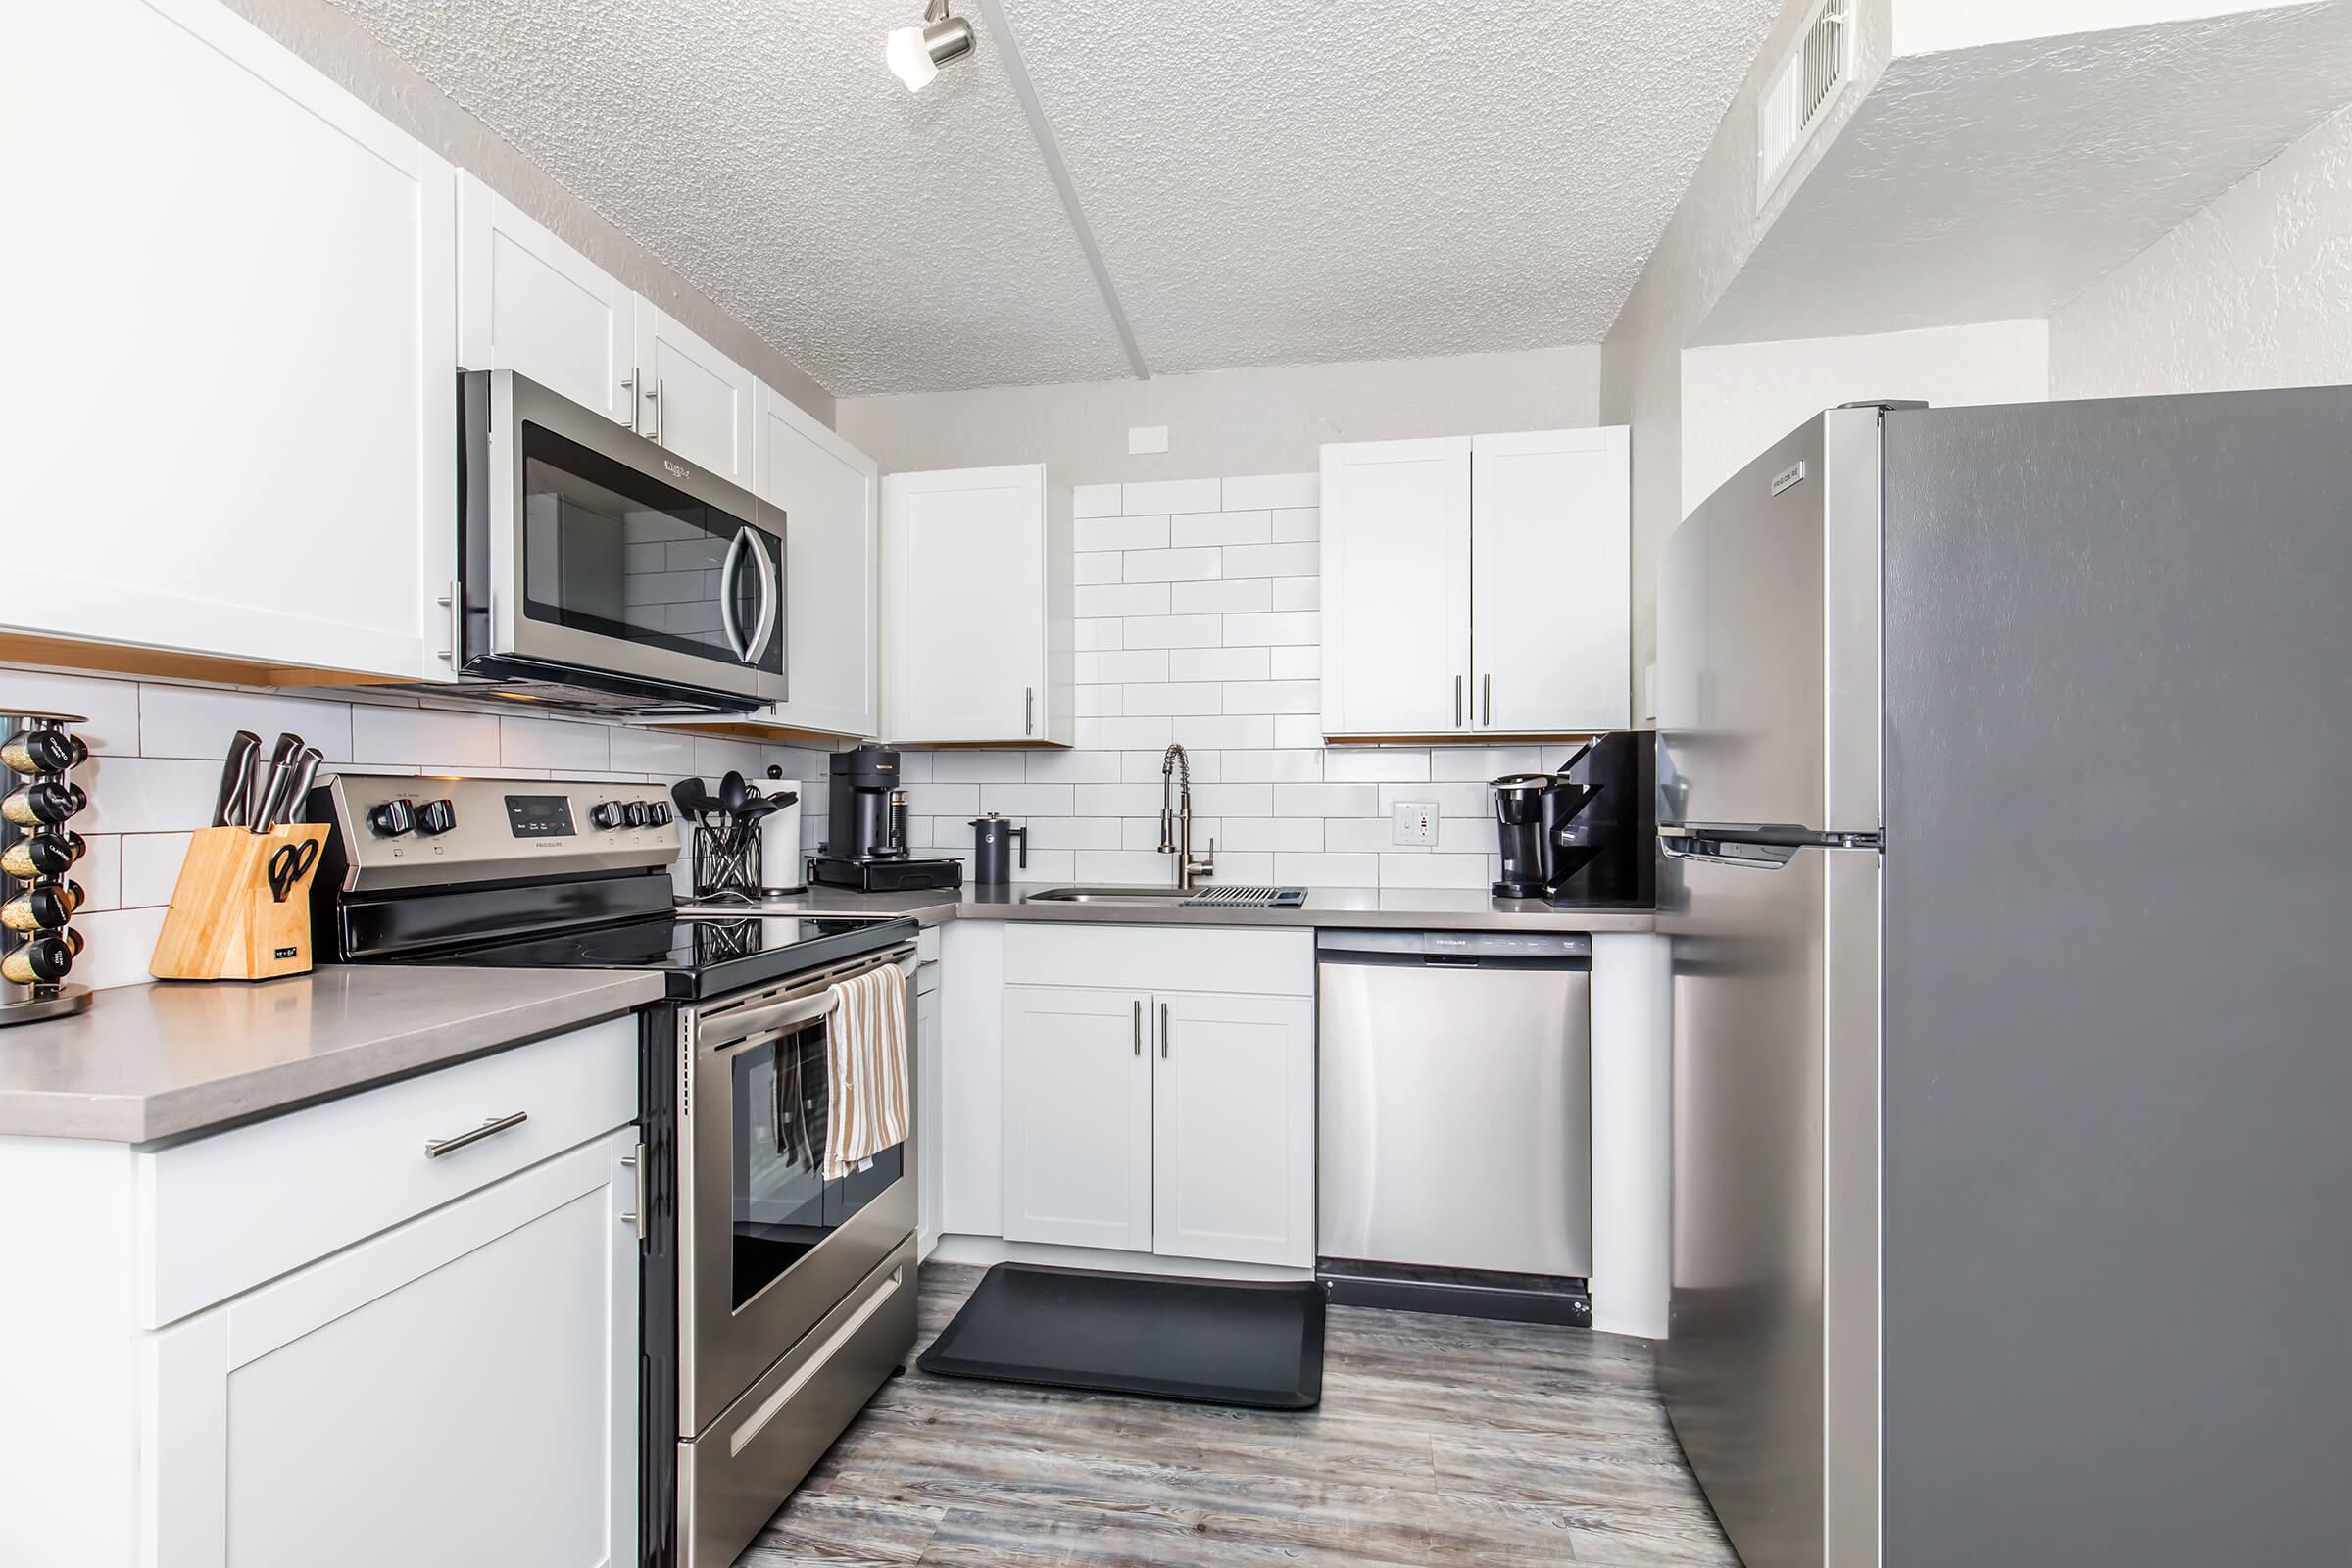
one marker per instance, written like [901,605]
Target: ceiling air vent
[1801,92]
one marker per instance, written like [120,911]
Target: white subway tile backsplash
[1233,801]
[1143,833]
[1100,565]
[1240,865]
[1171,565]
[662,753]
[1297,593]
[1327,869]
[1282,626]
[1367,834]
[714,755]
[100,871]
[1278,768]
[117,945]
[1122,664]
[1295,663]
[1218,664]
[557,746]
[1273,560]
[1377,764]
[1222,529]
[1231,730]
[1479,763]
[1170,697]
[1126,734]
[1121,533]
[196,721]
[1027,800]
[1177,631]
[1297,524]
[1297,729]
[978,767]
[1093,635]
[1326,799]
[1144,866]
[1172,495]
[1143,767]
[1450,800]
[1075,766]
[1274,832]
[1468,835]
[1273,697]
[1432,870]
[1246,594]
[1044,865]
[1095,500]
[1124,599]
[1119,799]
[1097,701]
[1074,833]
[147,794]
[151,866]
[460,742]
[943,800]
[1273,490]
[110,708]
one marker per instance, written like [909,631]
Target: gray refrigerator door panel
[1768,639]
[2116,1065]
[1741,1366]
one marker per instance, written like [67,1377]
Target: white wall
[1739,397]
[1264,420]
[2256,290]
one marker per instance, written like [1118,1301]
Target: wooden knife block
[225,923]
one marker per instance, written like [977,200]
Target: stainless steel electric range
[773,1302]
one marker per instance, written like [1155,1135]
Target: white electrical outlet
[1416,822]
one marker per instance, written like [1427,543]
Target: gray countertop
[1446,908]
[165,1060]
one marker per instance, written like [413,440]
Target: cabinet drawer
[1162,957]
[223,1213]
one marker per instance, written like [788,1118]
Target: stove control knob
[607,815]
[638,814]
[435,817]
[663,816]
[392,819]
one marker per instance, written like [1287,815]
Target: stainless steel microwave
[601,571]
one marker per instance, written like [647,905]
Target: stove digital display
[539,816]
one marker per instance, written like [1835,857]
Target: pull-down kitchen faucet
[1176,821]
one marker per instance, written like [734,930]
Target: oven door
[599,552]
[768,1246]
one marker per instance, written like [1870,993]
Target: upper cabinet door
[975,571]
[830,494]
[1234,1129]
[1549,580]
[1396,587]
[531,304]
[265,271]
[693,399]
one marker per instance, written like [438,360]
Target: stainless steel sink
[1111,895]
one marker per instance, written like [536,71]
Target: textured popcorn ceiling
[1272,181]
[1999,182]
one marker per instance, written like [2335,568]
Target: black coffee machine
[866,838]
[1582,836]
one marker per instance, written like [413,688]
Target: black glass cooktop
[701,956]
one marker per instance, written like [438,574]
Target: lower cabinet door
[461,1388]
[1235,1132]
[1078,1117]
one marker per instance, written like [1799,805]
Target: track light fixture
[915,54]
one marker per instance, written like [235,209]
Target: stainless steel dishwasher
[1456,1116]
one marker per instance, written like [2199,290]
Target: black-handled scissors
[290,864]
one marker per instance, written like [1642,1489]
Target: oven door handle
[766,1023]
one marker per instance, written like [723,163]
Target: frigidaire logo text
[673,467]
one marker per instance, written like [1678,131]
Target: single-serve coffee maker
[865,829]
[1582,836]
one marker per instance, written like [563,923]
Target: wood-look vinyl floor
[1439,1442]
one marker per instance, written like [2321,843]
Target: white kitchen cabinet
[1395,586]
[1078,1117]
[470,1377]
[930,1113]
[830,495]
[692,399]
[1234,1129]
[976,604]
[531,304]
[1550,629]
[1477,585]
[219,234]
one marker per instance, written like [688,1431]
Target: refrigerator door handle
[1769,846]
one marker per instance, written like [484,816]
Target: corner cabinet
[1477,585]
[208,216]
[976,606]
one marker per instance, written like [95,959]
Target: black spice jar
[992,849]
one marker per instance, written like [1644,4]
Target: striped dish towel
[866,1062]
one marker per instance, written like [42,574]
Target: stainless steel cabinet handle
[456,601]
[770,600]
[1139,1026]
[1485,698]
[635,1162]
[435,1148]
[1163,1031]
[654,393]
[1028,710]
[729,627]
[628,385]
[1457,701]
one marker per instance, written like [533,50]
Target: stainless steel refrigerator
[2003,754]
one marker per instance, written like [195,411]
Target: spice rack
[37,941]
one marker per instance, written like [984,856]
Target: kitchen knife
[270,798]
[306,773]
[235,774]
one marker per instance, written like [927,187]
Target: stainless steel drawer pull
[635,1162]
[435,1148]
[1457,701]
[1485,698]
[1139,1026]
[1028,710]
[742,1436]
[1163,1031]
